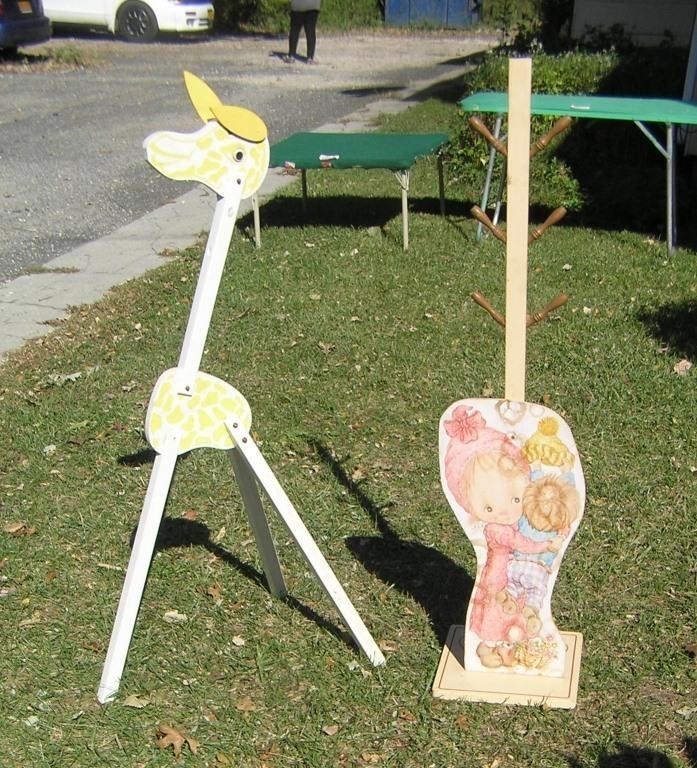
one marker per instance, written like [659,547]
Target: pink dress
[488,619]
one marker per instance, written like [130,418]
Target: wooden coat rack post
[511,473]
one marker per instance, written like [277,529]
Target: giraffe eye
[239,155]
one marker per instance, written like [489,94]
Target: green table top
[596,107]
[394,151]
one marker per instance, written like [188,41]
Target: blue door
[435,13]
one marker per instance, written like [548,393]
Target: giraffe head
[231,149]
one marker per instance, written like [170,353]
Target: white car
[136,20]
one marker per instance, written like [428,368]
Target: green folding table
[396,152]
[670,112]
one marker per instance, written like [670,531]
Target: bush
[271,16]
[547,21]
[574,171]
[551,181]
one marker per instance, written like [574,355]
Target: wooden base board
[454,682]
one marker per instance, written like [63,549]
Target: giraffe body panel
[199,416]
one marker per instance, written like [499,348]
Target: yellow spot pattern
[199,418]
[210,155]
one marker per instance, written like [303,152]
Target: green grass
[348,351]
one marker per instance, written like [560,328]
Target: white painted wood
[519,87]
[137,572]
[257,220]
[259,524]
[403,177]
[315,559]
[212,267]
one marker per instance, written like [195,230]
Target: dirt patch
[342,59]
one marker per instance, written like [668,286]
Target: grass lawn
[349,351]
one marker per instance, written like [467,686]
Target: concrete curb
[29,303]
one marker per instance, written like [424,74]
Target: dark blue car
[22,22]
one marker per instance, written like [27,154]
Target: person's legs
[296,24]
[310,33]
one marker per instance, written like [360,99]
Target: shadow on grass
[690,748]
[180,532]
[674,325]
[348,211]
[627,756]
[137,459]
[435,581]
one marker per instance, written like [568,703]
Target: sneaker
[288,59]
[311,61]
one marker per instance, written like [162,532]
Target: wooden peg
[479,126]
[554,218]
[536,317]
[543,142]
[556,302]
[481,217]
[484,304]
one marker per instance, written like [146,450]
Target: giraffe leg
[315,559]
[259,524]
[138,565]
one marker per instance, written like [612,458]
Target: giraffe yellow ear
[241,122]
[202,96]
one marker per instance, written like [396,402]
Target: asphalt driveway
[73,168]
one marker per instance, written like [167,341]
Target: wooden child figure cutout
[512,476]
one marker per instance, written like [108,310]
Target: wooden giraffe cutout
[191,409]
[511,473]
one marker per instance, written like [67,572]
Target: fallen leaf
[691,650]
[219,536]
[687,711]
[136,702]
[330,730]
[238,641]
[214,592]
[370,757]
[36,618]
[358,474]
[19,529]
[171,737]
[174,617]
[682,367]
[245,704]
[462,722]
[7,591]
[190,514]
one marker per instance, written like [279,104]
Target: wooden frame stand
[191,409]
[512,475]
[454,682]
